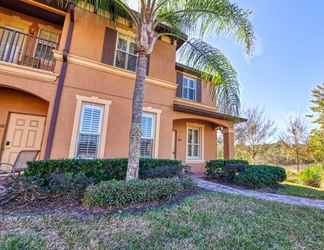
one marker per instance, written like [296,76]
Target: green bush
[216,168]
[312,176]
[103,170]
[68,184]
[21,242]
[120,193]
[260,176]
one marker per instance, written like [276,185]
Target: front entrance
[24,132]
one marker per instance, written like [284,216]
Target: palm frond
[205,17]
[216,69]
[107,8]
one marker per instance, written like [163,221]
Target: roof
[207,113]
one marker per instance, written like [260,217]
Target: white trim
[27,72]
[202,142]
[157,112]
[76,124]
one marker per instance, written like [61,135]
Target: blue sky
[288,60]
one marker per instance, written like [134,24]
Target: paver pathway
[293,200]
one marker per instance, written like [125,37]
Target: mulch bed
[74,208]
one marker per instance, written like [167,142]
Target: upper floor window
[126,57]
[148,135]
[89,137]
[189,88]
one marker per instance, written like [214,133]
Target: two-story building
[66,84]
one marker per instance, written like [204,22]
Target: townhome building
[66,84]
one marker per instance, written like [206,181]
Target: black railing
[24,49]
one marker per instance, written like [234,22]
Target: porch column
[228,134]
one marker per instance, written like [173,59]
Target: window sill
[194,161]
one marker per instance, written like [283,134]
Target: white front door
[24,132]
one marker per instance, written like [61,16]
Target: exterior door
[174,145]
[24,132]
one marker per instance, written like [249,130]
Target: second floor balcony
[24,49]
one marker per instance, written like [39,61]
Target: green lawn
[289,188]
[207,221]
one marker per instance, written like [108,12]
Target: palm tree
[196,18]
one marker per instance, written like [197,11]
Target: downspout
[60,85]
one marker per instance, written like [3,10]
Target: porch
[196,131]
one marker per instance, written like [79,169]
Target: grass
[289,188]
[206,221]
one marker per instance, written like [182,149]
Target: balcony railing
[27,50]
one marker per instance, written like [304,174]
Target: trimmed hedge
[260,176]
[104,170]
[216,168]
[121,193]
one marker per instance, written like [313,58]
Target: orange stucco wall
[108,83]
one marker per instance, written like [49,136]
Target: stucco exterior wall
[87,76]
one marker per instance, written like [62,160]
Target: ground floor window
[148,135]
[90,128]
[194,144]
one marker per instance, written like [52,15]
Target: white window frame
[81,100]
[99,133]
[157,114]
[129,40]
[187,79]
[200,129]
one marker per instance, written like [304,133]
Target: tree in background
[316,144]
[251,136]
[174,18]
[318,104]
[295,139]
[316,139]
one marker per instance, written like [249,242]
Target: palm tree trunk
[137,109]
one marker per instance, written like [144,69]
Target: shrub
[68,184]
[103,170]
[21,241]
[312,175]
[260,176]
[120,193]
[216,168]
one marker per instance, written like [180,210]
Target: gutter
[60,85]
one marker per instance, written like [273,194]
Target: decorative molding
[27,72]
[76,123]
[196,104]
[86,62]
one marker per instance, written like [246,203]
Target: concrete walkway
[293,200]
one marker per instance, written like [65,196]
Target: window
[10,44]
[46,44]
[189,88]
[90,131]
[194,144]
[148,135]
[126,57]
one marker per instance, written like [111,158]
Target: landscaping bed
[205,221]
